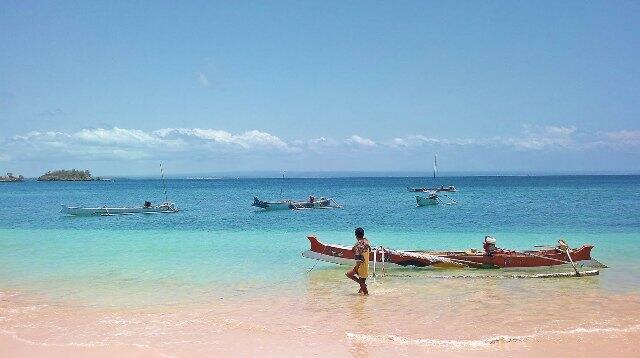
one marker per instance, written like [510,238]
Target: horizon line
[258,174]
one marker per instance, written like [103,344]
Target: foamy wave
[15,336]
[481,343]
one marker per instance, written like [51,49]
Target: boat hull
[426,201]
[276,206]
[105,211]
[292,205]
[450,189]
[431,259]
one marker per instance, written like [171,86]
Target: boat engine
[489,245]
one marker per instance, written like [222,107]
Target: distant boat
[147,208]
[322,203]
[430,199]
[449,188]
[106,211]
[286,204]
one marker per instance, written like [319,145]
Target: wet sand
[442,318]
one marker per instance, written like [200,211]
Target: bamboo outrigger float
[491,257]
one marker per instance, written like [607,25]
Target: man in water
[361,252]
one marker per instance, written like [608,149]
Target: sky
[205,87]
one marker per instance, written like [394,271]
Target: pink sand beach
[440,318]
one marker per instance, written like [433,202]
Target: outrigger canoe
[449,188]
[322,203]
[106,211]
[342,255]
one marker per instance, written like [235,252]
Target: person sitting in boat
[147,204]
[312,199]
[489,245]
[361,252]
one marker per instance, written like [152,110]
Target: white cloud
[548,138]
[250,139]
[422,140]
[559,130]
[399,143]
[320,143]
[120,143]
[41,135]
[624,137]
[202,78]
[127,144]
[115,136]
[360,141]
[532,138]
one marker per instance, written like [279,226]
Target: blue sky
[116,87]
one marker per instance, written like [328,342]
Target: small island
[67,175]
[11,177]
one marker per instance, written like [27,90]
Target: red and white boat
[497,258]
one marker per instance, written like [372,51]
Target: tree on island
[66,175]
[11,177]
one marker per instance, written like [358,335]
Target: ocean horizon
[357,174]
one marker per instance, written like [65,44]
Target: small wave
[481,343]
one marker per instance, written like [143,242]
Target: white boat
[322,203]
[147,208]
[106,211]
[430,199]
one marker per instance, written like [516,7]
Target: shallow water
[221,262]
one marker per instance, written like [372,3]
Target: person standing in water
[361,252]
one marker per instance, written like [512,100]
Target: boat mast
[282,187]
[435,165]
[164,186]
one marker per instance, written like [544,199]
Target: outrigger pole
[164,186]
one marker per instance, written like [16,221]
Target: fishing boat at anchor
[449,188]
[312,203]
[147,208]
[106,211]
[430,199]
[490,257]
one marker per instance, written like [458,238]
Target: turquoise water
[219,246]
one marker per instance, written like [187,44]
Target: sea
[222,271]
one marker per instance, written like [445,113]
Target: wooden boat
[106,211]
[322,203]
[449,188]
[457,259]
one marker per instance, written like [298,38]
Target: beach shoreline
[316,324]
